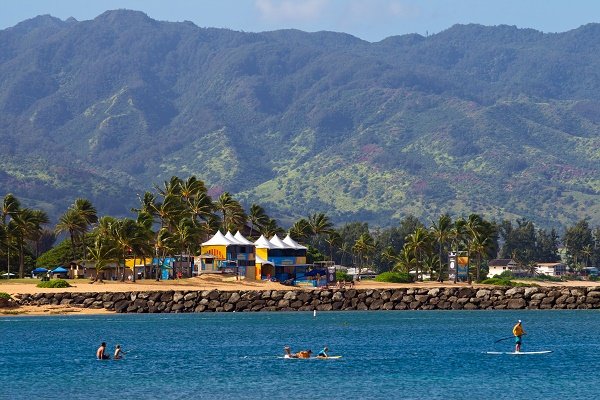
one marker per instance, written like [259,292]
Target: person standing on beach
[518,332]
[101,352]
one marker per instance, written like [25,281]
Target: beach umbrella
[59,270]
[39,270]
[7,274]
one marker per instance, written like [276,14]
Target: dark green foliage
[54,283]
[58,255]
[342,276]
[5,296]
[542,277]
[498,121]
[502,282]
[394,277]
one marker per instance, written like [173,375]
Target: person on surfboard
[304,354]
[300,354]
[323,353]
[288,353]
[518,332]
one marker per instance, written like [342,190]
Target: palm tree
[364,247]
[141,243]
[320,224]
[406,261]
[587,252]
[300,230]
[390,255]
[102,252]
[257,217]
[271,229]
[201,210]
[89,214]
[457,239]
[473,229]
[185,234]
[441,231]
[333,239]
[73,223]
[123,234]
[418,242]
[172,187]
[191,188]
[28,224]
[10,207]
[233,213]
[163,246]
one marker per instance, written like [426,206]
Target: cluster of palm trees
[425,250]
[175,219]
[179,215]
[20,227]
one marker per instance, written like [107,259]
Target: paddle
[506,338]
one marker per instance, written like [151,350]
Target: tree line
[177,216]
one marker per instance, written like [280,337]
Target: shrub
[505,275]
[54,283]
[543,277]
[342,276]
[5,296]
[394,277]
[503,282]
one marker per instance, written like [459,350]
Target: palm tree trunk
[21,261]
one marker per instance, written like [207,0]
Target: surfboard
[312,358]
[520,353]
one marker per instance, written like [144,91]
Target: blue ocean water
[391,355]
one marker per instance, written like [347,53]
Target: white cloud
[374,10]
[402,9]
[290,10]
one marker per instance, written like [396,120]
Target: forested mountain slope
[494,120]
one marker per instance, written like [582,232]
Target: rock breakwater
[459,298]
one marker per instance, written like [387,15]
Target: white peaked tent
[262,261]
[292,243]
[230,237]
[218,240]
[240,238]
[279,244]
[263,243]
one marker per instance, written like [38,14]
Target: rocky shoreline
[459,298]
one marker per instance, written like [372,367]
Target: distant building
[500,265]
[229,253]
[551,269]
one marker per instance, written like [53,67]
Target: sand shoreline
[206,282]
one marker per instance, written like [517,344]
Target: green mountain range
[494,120]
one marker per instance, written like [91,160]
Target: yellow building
[227,253]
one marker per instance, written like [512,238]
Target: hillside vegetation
[493,120]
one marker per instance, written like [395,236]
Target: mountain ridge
[304,122]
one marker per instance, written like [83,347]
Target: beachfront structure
[285,258]
[551,269]
[500,265]
[227,253]
[265,268]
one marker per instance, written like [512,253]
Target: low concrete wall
[326,300]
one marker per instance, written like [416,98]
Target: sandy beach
[204,282]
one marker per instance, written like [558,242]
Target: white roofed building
[229,253]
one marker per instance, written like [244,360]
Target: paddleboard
[313,358]
[520,353]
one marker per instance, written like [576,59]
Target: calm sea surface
[391,355]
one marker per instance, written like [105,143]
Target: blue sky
[372,20]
